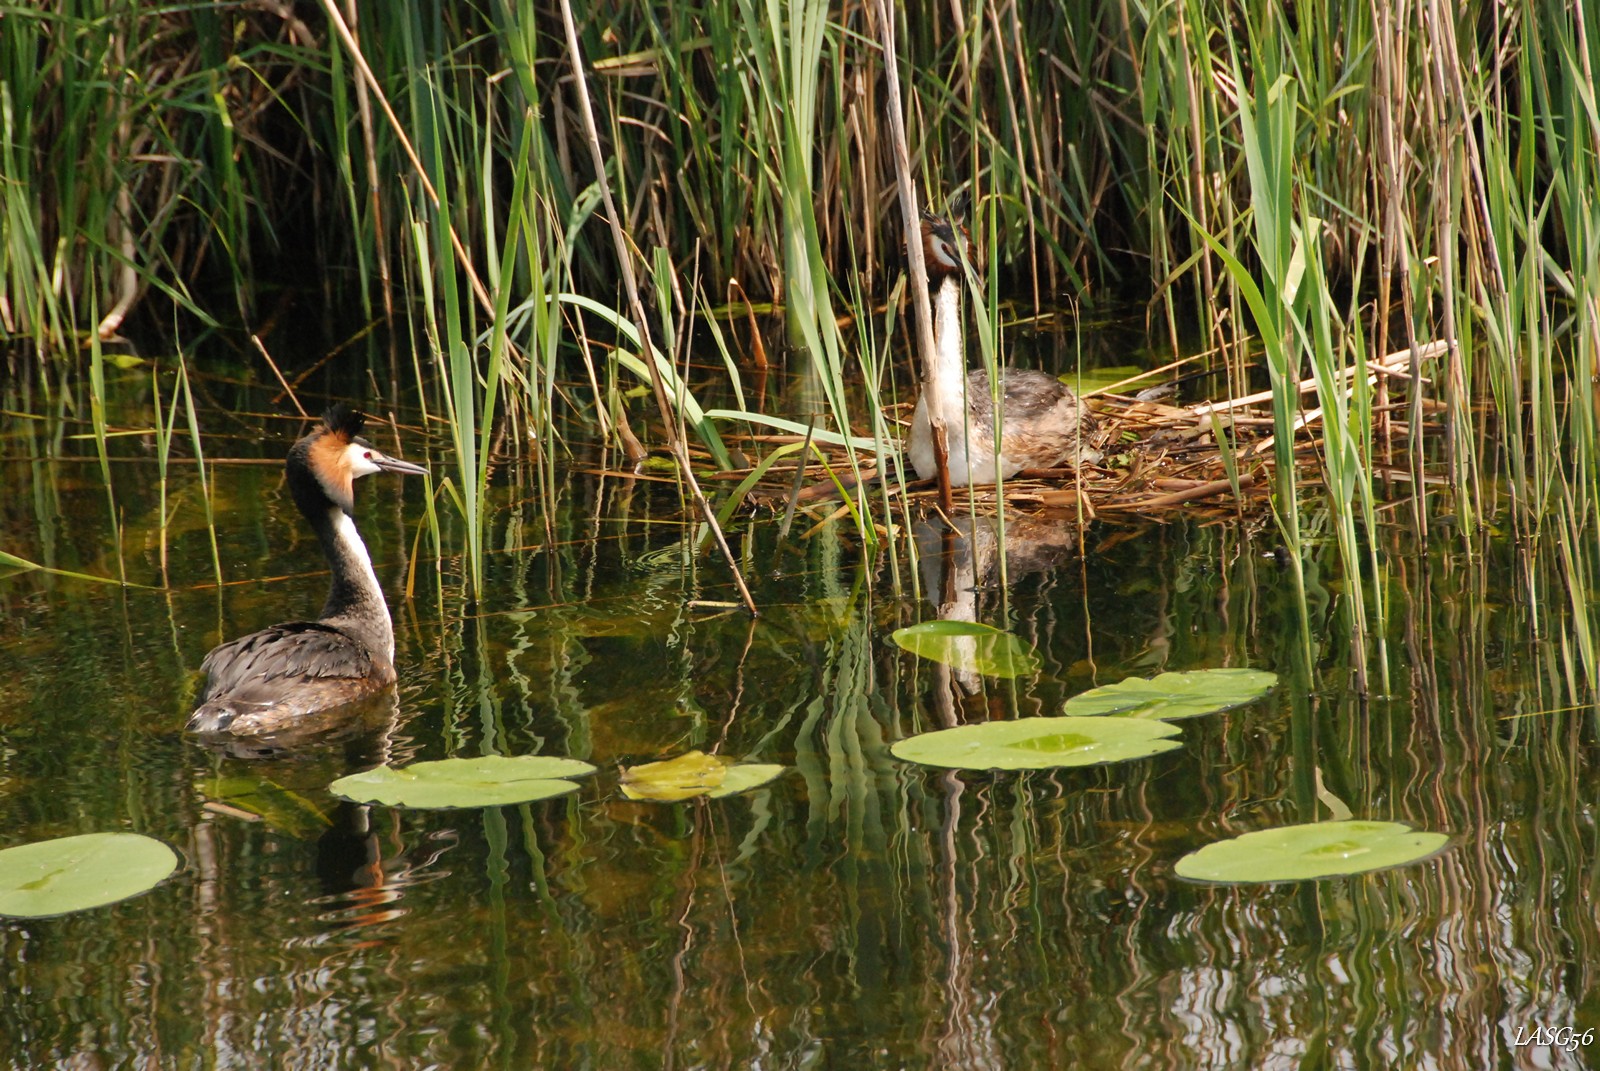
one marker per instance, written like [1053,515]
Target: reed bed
[1297,190]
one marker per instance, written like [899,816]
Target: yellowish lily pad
[1311,850]
[694,773]
[969,646]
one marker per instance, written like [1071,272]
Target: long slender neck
[355,600]
[949,369]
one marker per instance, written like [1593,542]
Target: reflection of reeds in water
[859,909]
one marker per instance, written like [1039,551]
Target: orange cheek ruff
[330,462]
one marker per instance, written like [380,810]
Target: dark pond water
[858,913]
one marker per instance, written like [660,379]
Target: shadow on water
[858,912]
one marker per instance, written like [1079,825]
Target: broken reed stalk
[636,307]
[911,219]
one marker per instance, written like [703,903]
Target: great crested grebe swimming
[1043,424]
[274,679]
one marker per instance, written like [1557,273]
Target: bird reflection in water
[362,873]
[960,564]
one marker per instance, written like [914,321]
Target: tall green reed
[785,44]
[1438,187]
[1267,128]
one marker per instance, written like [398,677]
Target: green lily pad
[487,781]
[694,773]
[1038,743]
[1312,850]
[1169,696]
[970,646]
[54,877]
[746,776]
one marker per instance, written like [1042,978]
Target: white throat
[944,391]
[344,530]
[950,359]
[350,543]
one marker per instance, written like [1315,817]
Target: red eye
[367,455]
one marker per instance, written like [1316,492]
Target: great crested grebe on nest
[1043,423]
[275,679]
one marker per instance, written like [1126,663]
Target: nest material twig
[1157,457]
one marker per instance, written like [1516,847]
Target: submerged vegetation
[1295,191]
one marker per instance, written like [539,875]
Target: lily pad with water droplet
[1169,696]
[1039,743]
[694,773]
[487,781]
[1312,850]
[54,877]
[970,646]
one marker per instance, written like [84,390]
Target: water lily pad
[1169,696]
[53,877]
[694,773]
[746,776]
[488,781]
[970,646]
[1312,850]
[1038,743]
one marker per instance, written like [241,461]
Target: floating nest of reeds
[1157,458]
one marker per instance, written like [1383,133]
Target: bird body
[1043,423]
[274,679]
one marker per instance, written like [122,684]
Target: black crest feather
[344,421]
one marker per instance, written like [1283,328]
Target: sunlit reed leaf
[793,427]
[54,877]
[1039,743]
[678,392]
[487,781]
[1174,695]
[14,562]
[970,646]
[1312,850]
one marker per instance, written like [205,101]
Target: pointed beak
[394,464]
